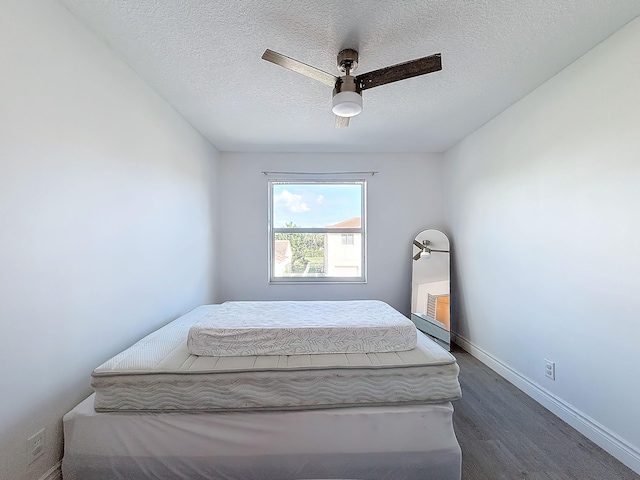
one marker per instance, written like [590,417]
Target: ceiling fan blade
[417,256]
[296,66]
[413,68]
[342,122]
[418,244]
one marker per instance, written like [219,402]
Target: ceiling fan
[425,250]
[347,89]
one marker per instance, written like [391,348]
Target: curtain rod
[267,172]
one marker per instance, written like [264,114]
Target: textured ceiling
[203,56]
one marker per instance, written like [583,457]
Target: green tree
[304,246]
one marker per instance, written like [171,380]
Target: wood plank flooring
[506,435]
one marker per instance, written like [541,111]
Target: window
[347,238]
[317,231]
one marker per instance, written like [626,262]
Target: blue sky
[315,205]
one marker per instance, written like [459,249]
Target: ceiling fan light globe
[347,104]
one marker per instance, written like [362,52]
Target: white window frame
[312,279]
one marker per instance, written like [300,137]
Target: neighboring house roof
[351,223]
[283,250]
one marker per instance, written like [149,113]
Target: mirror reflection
[430,286]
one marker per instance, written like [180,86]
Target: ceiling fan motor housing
[347,83]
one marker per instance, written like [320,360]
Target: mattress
[159,374]
[295,328]
[412,442]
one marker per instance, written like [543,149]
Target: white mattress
[159,374]
[295,328]
[376,443]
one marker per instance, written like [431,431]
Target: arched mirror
[430,286]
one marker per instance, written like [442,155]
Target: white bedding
[295,328]
[159,374]
[375,443]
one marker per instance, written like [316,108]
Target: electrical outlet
[550,369]
[36,445]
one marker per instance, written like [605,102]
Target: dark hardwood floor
[504,434]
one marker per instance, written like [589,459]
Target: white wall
[403,199]
[106,218]
[545,214]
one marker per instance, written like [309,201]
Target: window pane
[315,205]
[316,255]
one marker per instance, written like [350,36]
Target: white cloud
[291,202]
[320,198]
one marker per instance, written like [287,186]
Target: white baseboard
[598,434]
[54,473]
